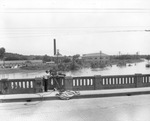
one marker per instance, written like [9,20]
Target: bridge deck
[125,108]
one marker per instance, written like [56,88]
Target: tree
[76,56]
[2,53]
[148,57]
[46,58]
[66,60]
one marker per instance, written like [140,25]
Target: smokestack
[54,46]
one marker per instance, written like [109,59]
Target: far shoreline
[18,70]
[31,69]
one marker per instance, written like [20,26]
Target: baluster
[88,83]
[84,82]
[143,79]
[29,84]
[73,82]
[16,85]
[91,81]
[110,80]
[129,80]
[81,82]
[12,85]
[52,81]
[113,81]
[117,80]
[104,81]
[132,80]
[62,81]
[107,81]
[123,80]
[20,83]
[146,79]
[77,84]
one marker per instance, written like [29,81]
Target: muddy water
[114,70]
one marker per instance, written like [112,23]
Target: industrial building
[96,57]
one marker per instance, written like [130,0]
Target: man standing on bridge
[45,81]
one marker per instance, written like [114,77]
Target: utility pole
[57,56]
[55,47]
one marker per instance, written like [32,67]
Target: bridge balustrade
[20,86]
[97,82]
[145,80]
[83,83]
[111,82]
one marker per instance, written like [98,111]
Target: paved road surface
[125,108]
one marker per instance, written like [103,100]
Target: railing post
[38,85]
[138,80]
[5,86]
[68,85]
[98,82]
[0,87]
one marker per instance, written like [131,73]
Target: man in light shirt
[45,81]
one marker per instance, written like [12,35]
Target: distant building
[96,57]
[50,62]
[19,63]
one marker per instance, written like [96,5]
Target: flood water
[114,70]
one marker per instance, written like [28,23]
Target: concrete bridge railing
[97,82]
[20,86]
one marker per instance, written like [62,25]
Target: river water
[114,70]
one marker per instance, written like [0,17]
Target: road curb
[81,96]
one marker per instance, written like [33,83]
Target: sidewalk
[83,94]
[121,108]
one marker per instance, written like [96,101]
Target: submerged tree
[148,57]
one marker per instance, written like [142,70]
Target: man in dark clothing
[45,81]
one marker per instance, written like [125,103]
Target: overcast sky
[79,26]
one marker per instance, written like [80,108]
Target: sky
[79,26]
